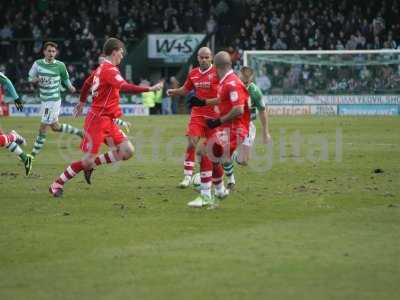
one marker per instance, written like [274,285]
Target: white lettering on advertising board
[173,47]
[299,110]
[331,99]
[34,110]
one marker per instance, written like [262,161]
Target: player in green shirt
[256,104]
[14,147]
[50,73]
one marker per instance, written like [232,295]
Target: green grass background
[297,227]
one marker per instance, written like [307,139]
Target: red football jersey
[232,92]
[205,85]
[106,84]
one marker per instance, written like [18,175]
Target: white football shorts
[50,111]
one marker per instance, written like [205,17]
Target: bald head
[204,56]
[204,51]
[222,59]
[223,63]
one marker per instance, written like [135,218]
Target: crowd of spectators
[80,27]
[283,78]
[321,25]
[318,25]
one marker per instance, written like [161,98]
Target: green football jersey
[7,84]
[256,102]
[50,76]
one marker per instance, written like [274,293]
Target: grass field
[310,221]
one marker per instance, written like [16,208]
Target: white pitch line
[372,144]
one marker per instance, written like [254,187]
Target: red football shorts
[223,142]
[198,127]
[99,130]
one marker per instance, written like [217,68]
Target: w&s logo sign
[173,47]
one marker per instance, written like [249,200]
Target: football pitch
[316,215]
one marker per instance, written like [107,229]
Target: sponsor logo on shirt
[203,85]
[234,96]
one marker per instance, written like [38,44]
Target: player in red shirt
[231,127]
[204,81]
[99,125]
[84,93]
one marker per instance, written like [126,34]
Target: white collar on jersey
[205,71]
[106,60]
[226,75]
[47,62]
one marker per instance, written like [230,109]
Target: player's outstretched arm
[114,78]
[137,89]
[157,86]
[133,88]
[177,92]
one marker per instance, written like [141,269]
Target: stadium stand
[80,27]
[318,25]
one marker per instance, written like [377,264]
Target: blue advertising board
[368,109]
